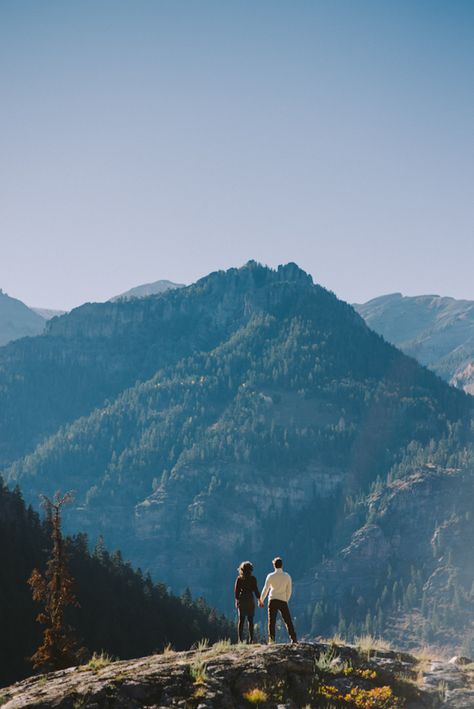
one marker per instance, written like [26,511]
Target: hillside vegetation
[250,414]
[122,612]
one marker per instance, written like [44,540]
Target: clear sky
[144,139]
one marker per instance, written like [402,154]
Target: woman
[245,587]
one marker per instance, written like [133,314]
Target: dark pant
[246,612]
[273,607]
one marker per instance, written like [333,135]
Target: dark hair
[277,562]
[245,568]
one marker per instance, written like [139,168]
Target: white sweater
[279,585]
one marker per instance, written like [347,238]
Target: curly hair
[245,568]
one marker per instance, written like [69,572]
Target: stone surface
[220,676]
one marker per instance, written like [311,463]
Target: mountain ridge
[270,404]
[146,289]
[437,330]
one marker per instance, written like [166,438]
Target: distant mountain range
[437,331]
[249,414]
[147,289]
[47,313]
[17,320]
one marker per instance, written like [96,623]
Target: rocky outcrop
[234,677]
[421,525]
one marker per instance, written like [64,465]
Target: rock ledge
[276,676]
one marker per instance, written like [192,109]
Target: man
[278,584]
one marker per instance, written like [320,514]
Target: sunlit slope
[271,402]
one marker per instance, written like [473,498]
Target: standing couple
[278,588]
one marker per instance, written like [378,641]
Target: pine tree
[55,590]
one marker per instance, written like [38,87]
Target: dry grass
[198,671]
[430,653]
[220,647]
[368,644]
[442,691]
[97,662]
[329,662]
[337,639]
[168,650]
[406,678]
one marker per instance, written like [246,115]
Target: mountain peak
[256,275]
[147,289]
[289,271]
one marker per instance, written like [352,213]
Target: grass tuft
[368,643]
[97,662]
[329,662]
[198,671]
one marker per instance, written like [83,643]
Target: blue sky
[146,139]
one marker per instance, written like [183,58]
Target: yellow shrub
[255,696]
[377,698]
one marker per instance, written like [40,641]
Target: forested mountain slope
[403,566]
[97,350]
[265,404]
[438,332]
[121,611]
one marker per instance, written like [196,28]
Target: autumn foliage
[55,591]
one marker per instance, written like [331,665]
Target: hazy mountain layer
[266,408]
[438,332]
[147,289]
[47,313]
[17,320]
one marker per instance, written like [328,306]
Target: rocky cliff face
[270,677]
[416,532]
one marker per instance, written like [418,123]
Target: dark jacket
[245,587]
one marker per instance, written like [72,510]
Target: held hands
[260,603]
